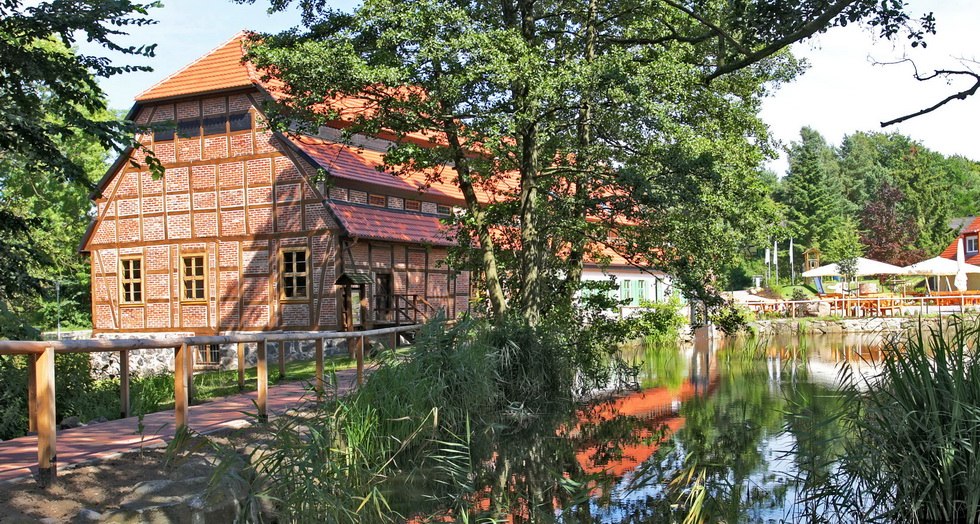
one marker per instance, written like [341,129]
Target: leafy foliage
[602,116]
[887,231]
[54,133]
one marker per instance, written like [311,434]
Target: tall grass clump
[910,453]
[410,440]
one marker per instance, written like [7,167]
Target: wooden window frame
[184,277]
[966,244]
[208,356]
[443,209]
[383,200]
[413,205]
[123,298]
[283,275]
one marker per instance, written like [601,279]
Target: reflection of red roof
[218,70]
[950,251]
[377,223]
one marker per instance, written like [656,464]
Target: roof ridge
[239,36]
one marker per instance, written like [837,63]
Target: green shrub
[661,320]
[420,419]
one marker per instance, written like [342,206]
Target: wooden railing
[42,377]
[873,306]
[406,309]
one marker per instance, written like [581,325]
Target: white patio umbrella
[938,267]
[960,280]
[865,267]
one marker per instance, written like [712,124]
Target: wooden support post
[241,366]
[32,394]
[360,361]
[262,369]
[180,386]
[124,383]
[190,354]
[282,359]
[319,367]
[394,341]
[47,454]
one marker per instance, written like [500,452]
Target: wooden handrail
[41,368]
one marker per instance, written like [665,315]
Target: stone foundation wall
[789,326]
[143,362]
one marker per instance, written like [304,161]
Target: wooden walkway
[18,457]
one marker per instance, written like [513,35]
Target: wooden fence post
[124,383]
[47,453]
[360,361]
[191,353]
[319,367]
[262,369]
[180,386]
[32,394]
[241,366]
[282,359]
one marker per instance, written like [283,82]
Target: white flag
[768,260]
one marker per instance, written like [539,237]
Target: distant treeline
[883,196]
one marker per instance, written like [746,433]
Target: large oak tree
[629,125]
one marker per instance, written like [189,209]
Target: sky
[842,91]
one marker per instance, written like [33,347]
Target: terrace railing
[42,376]
[864,307]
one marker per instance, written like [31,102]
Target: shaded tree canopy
[52,116]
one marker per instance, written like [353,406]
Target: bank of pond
[822,428]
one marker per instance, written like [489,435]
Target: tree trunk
[576,255]
[530,256]
[488,257]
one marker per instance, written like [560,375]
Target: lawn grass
[155,393]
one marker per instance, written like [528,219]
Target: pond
[747,421]
[730,428]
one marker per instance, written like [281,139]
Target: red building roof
[950,251]
[219,70]
[378,223]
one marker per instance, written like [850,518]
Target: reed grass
[912,431]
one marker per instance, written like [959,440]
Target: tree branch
[808,30]
[946,73]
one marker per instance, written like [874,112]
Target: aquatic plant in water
[911,433]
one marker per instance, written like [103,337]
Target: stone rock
[148,487]
[70,422]
[87,515]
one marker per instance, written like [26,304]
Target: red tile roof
[219,70]
[950,251]
[376,223]
[367,165]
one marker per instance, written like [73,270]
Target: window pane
[215,125]
[300,263]
[189,128]
[240,122]
[163,132]
[199,289]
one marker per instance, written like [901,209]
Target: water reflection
[722,429]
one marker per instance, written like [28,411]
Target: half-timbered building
[241,234]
